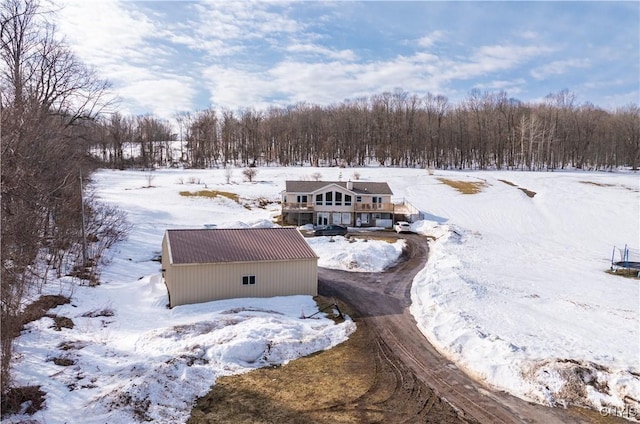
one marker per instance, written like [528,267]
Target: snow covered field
[514,293]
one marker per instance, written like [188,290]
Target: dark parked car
[331,230]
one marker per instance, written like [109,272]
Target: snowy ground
[514,292]
[135,360]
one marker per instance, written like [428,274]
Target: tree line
[485,130]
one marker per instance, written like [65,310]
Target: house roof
[359,187]
[205,246]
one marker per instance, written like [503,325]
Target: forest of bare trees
[486,130]
[47,103]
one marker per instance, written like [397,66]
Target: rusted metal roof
[205,246]
[359,187]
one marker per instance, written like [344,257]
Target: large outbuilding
[202,265]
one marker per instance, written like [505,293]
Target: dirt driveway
[381,302]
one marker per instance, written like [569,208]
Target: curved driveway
[382,300]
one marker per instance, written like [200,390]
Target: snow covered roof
[359,187]
[205,246]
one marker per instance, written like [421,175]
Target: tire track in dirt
[381,302]
[395,395]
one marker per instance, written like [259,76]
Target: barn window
[248,279]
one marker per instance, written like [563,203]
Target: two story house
[351,203]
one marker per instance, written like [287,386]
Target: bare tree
[47,100]
[250,173]
[628,135]
[488,129]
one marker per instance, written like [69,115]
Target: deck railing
[297,206]
[374,207]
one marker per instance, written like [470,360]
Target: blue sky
[165,57]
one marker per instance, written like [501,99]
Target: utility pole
[84,236]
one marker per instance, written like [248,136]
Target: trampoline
[629,265]
[625,263]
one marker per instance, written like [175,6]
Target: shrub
[250,173]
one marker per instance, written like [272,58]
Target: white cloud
[508,55]
[529,35]
[244,20]
[314,49]
[513,87]
[122,45]
[430,39]
[489,59]
[258,53]
[558,67]
[295,80]
[164,94]
[120,34]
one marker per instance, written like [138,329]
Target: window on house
[347,200]
[328,198]
[359,199]
[319,199]
[338,198]
[248,279]
[302,198]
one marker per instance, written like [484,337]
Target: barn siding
[167,267]
[205,282]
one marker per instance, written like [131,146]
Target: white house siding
[364,212]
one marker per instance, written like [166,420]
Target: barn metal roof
[359,187]
[205,246]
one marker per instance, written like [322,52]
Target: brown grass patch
[63,362]
[598,184]
[105,312]
[211,194]
[634,189]
[72,345]
[624,272]
[508,183]
[529,193]
[303,391]
[61,322]
[465,187]
[38,309]
[30,396]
